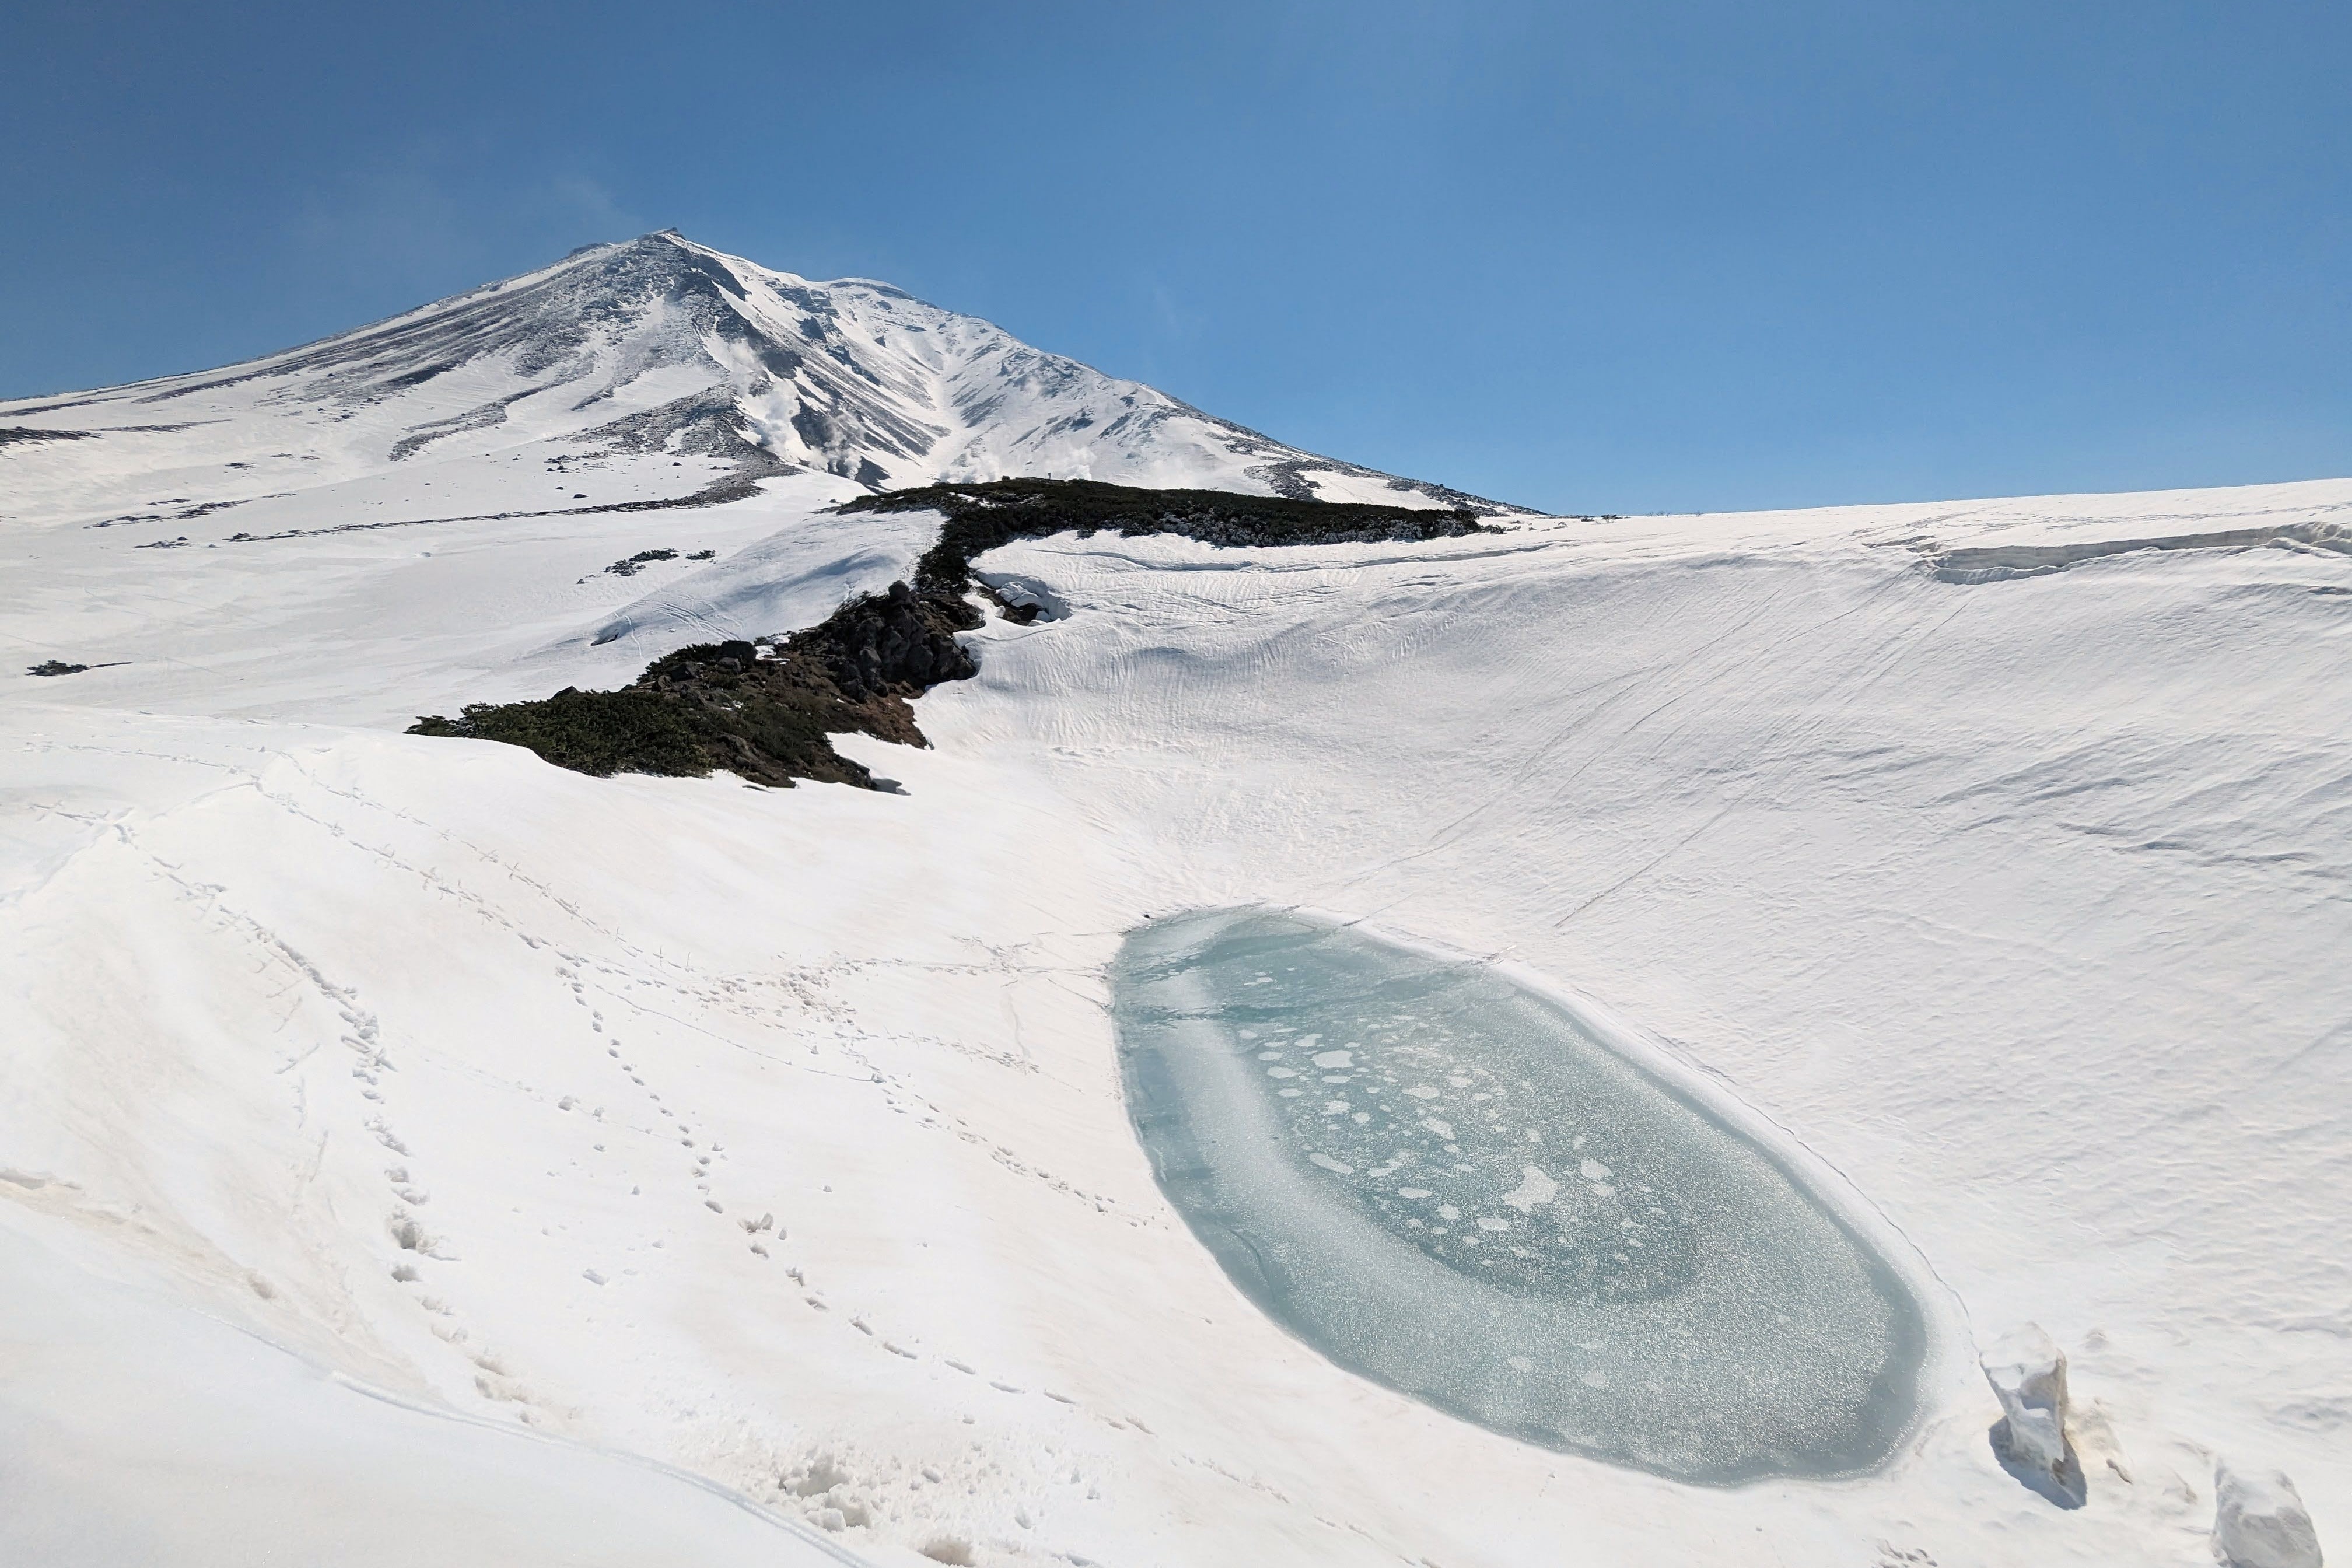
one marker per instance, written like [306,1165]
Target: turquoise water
[1442,1182]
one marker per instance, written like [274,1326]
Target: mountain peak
[658,347]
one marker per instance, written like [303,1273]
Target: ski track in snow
[773,1139]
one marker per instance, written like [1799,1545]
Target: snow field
[2017,904]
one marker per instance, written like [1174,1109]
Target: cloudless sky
[1631,257]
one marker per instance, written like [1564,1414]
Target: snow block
[2259,1521]
[2028,1374]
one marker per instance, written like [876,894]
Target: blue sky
[1624,257]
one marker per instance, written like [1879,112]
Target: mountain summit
[658,347]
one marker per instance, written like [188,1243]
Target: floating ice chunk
[1738,1326]
[1534,1191]
[1335,1058]
[2259,1521]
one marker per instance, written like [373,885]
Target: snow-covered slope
[457,480]
[647,371]
[369,1098]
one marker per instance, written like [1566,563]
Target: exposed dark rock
[26,433]
[477,418]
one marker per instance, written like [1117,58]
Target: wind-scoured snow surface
[414,1152]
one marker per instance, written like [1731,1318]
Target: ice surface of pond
[1442,1181]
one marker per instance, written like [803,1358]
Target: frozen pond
[1442,1182]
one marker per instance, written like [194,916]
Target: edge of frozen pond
[1935,1356]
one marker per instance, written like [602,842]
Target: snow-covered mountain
[637,356]
[413,1151]
[481,462]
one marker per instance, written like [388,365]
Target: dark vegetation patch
[11,432]
[767,711]
[59,666]
[637,563]
[980,517]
